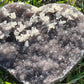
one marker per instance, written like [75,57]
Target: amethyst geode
[40,45]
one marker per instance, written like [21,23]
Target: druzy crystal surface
[40,45]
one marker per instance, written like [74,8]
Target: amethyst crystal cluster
[40,45]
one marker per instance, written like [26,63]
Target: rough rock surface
[40,45]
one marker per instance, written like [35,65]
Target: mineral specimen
[40,45]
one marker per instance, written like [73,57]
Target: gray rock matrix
[40,45]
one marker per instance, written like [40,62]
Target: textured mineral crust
[40,45]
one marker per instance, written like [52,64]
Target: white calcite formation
[40,45]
